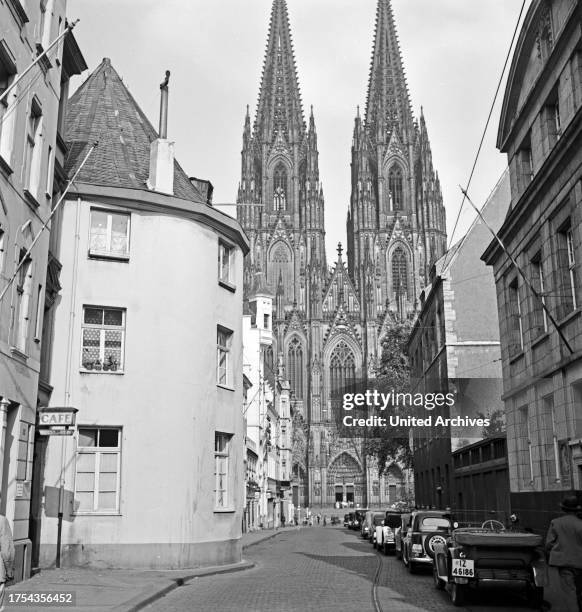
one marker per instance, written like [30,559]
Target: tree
[496,423]
[392,374]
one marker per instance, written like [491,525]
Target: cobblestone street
[321,569]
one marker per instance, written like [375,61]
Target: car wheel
[458,594]
[431,542]
[439,583]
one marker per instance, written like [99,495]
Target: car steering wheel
[493,525]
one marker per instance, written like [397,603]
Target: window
[225,261]
[221,470]
[223,346]
[33,148]
[39,311]
[103,339]
[50,172]
[23,298]
[514,318]
[25,452]
[399,273]
[97,470]
[395,187]
[295,368]
[8,105]
[280,187]
[567,276]
[266,321]
[539,315]
[109,235]
[525,167]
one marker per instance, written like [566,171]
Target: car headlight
[417,548]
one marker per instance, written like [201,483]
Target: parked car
[385,531]
[358,519]
[473,556]
[377,521]
[368,527]
[426,529]
[349,520]
[400,533]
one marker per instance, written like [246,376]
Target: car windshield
[377,519]
[435,523]
[392,521]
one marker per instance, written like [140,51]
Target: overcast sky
[453,52]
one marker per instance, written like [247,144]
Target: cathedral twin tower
[328,321]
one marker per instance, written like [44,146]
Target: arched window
[395,187]
[295,367]
[280,187]
[399,273]
[342,370]
[280,265]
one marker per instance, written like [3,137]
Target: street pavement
[323,569]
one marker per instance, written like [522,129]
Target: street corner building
[541,318]
[31,178]
[328,321]
[147,346]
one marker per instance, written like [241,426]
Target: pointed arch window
[395,187]
[295,367]
[280,187]
[342,370]
[399,273]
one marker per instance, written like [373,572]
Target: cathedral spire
[279,110]
[388,100]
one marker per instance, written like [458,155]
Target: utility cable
[26,255]
[507,58]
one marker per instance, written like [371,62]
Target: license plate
[464,568]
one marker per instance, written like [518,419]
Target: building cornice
[156,202]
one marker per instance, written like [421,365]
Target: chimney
[162,150]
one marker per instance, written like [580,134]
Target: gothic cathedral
[328,320]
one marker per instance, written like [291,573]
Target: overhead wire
[491,109]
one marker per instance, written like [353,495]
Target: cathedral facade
[328,320]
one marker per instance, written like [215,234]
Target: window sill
[540,339]
[225,387]
[96,514]
[31,199]
[572,315]
[108,257]
[115,373]
[16,352]
[5,167]
[516,356]
[227,285]
[224,510]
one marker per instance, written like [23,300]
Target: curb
[269,537]
[140,602]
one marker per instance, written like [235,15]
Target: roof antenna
[163,131]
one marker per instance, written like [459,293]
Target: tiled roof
[103,110]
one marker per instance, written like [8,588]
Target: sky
[453,53]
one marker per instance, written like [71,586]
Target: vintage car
[372,518]
[474,557]
[400,533]
[349,520]
[385,531]
[335,520]
[425,529]
[358,519]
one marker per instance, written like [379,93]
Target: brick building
[541,132]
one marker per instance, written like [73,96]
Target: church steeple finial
[279,109]
[388,98]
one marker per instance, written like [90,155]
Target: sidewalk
[121,590]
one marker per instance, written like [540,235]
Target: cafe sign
[56,421]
